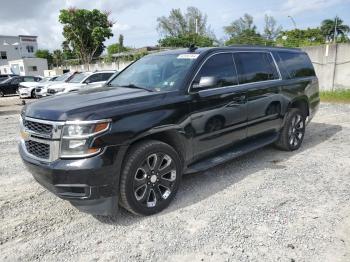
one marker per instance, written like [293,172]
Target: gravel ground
[266,206]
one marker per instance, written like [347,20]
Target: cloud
[294,7]
[136,19]
[40,17]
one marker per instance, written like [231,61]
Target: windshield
[78,78]
[62,77]
[155,72]
[43,80]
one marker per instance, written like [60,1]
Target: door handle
[239,99]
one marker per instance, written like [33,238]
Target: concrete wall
[332,65]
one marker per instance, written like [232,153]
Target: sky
[137,19]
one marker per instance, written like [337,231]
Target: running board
[231,153]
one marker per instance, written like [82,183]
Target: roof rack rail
[192,48]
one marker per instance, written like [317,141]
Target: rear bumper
[90,184]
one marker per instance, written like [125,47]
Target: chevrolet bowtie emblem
[24,135]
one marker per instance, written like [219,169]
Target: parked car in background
[27,89]
[81,80]
[10,85]
[41,90]
[170,113]
[3,77]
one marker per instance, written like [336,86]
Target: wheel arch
[169,136]
[301,103]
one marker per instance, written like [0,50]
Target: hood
[63,85]
[49,83]
[92,104]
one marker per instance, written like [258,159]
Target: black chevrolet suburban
[129,142]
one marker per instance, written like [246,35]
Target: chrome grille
[37,127]
[37,149]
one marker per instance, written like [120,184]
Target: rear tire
[33,94]
[150,177]
[293,131]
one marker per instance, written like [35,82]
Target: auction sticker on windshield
[187,56]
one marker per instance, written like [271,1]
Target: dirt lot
[266,206]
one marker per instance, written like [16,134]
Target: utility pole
[196,21]
[335,30]
[293,21]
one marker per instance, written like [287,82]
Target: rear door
[219,112]
[259,73]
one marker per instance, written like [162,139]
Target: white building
[17,56]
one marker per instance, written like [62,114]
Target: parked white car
[41,90]
[27,89]
[81,80]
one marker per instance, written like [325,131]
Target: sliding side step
[231,153]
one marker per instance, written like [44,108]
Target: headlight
[77,138]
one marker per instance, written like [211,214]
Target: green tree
[237,27]
[116,48]
[57,57]
[183,29]
[186,41]
[300,37]
[243,31]
[68,54]
[85,31]
[45,54]
[271,30]
[335,29]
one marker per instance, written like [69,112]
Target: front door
[13,85]
[218,112]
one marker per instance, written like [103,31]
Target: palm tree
[58,57]
[332,29]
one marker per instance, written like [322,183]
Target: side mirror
[206,82]
[87,81]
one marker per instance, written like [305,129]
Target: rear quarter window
[297,64]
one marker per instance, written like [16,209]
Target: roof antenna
[192,48]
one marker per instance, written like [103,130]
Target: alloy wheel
[296,131]
[154,179]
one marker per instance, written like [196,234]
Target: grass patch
[337,96]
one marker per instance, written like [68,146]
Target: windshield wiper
[138,87]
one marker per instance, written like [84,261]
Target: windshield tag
[187,56]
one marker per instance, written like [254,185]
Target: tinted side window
[255,67]
[106,76]
[220,66]
[28,79]
[297,64]
[16,80]
[94,78]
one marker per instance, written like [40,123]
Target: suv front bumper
[90,184]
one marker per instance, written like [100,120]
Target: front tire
[150,177]
[293,131]
[33,95]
